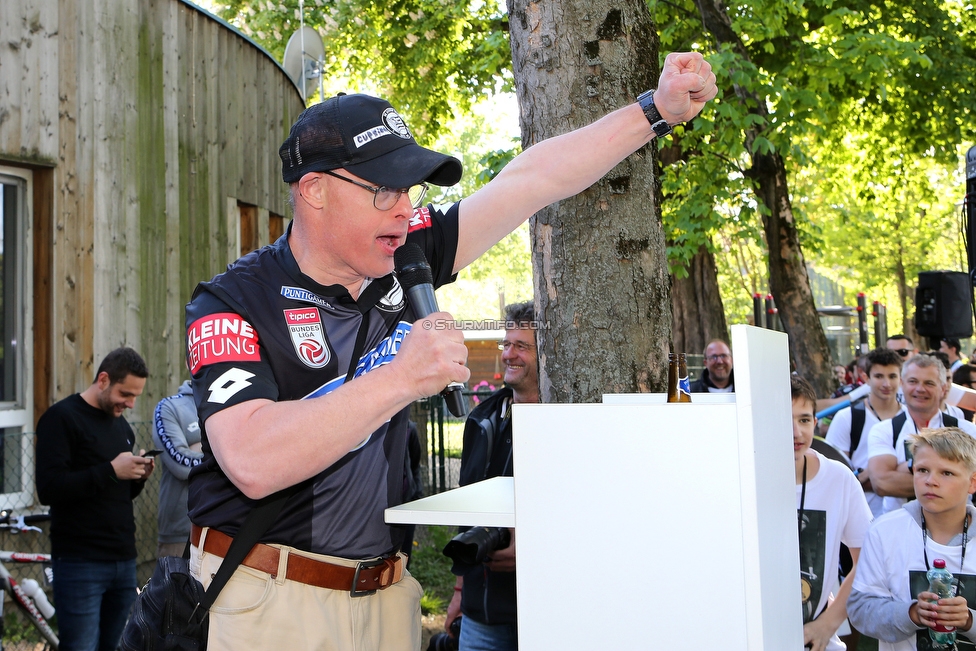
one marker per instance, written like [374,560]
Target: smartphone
[152,453]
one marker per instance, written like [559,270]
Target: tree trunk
[599,260]
[788,278]
[698,313]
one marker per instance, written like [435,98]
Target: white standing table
[647,525]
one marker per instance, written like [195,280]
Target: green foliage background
[871,105]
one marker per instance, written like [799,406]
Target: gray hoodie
[175,429]
[886,618]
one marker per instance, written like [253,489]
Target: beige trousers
[255,612]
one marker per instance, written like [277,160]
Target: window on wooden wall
[16,372]
[249,228]
[276,227]
[252,227]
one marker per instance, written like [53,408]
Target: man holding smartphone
[87,473]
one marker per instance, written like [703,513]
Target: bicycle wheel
[34,616]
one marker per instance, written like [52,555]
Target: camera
[472,547]
[445,642]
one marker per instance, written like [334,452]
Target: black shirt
[91,509]
[264,329]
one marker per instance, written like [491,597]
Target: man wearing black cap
[304,360]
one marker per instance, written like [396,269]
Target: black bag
[172,613]
[167,615]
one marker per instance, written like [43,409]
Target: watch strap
[659,125]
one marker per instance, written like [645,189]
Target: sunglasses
[904,352]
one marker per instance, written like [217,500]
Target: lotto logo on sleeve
[308,336]
[221,337]
[420,219]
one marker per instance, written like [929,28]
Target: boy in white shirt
[890,598]
[831,509]
[849,429]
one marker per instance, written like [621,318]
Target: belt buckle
[363,565]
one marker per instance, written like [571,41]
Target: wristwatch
[659,125]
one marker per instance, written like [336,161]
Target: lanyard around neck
[965,542]
[803,498]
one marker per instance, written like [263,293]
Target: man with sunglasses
[903,345]
[486,595]
[305,359]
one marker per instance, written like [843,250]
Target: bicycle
[27,594]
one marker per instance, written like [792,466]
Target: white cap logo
[395,124]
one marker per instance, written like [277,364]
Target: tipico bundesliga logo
[308,336]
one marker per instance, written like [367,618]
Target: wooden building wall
[148,123]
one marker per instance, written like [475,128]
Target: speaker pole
[757,310]
[862,323]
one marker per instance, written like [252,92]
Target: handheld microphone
[417,281]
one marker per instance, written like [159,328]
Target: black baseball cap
[366,136]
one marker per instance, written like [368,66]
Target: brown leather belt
[367,577]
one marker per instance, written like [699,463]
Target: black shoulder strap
[488,425]
[897,423]
[949,420]
[858,416]
[257,522]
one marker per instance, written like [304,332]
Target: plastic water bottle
[940,583]
[33,590]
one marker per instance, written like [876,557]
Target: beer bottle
[672,377]
[684,387]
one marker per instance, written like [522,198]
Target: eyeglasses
[520,346]
[385,198]
[904,352]
[715,358]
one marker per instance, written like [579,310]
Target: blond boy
[890,598]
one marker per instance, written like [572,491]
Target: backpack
[166,615]
[172,613]
[899,421]
[858,416]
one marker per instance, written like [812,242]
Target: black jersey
[263,329]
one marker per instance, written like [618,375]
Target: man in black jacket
[87,473]
[486,595]
[717,376]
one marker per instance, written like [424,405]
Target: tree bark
[788,280]
[698,313]
[599,260]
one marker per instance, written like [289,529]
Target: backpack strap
[858,416]
[257,522]
[897,423]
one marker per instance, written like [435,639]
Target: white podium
[647,525]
